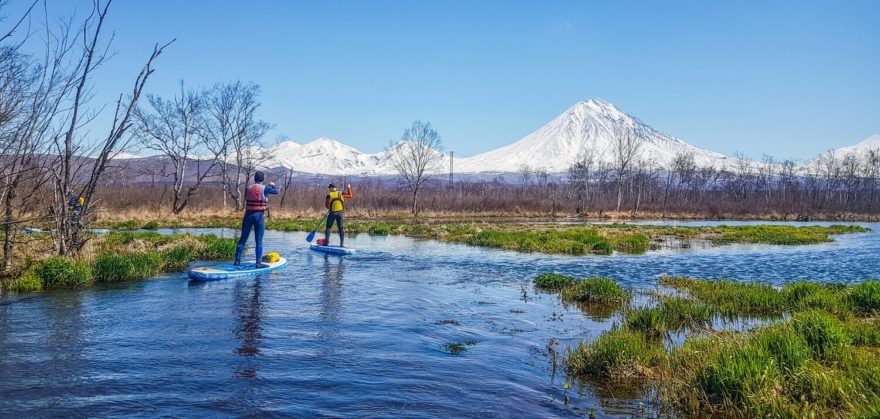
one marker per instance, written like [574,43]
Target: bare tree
[580,177]
[626,149]
[175,129]
[416,156]
[525,174]
[682,165]
[234,133]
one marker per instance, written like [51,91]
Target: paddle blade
[310,237]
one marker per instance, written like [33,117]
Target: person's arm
[348,194]
[327,202]
[270,189]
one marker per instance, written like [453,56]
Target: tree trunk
[8,217]
[619,191]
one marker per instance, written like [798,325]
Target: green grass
[818,355]
[680,313]
[740,298]
[178,258]
[780,370]
[671,313]
[112,267]
[568,242]
[799,296]
[594,291]
[789,349]
[649,321]
[619,353]
[632,243]
[28,281]
[216,248]
[736,375]
[124,256]
[865,297]
[553,281]
[864,332]
[825,335]
[782,234]
[731,297]
[61,272]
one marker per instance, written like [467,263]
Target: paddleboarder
[335,203]
[256,203]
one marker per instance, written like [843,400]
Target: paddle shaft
[321,221]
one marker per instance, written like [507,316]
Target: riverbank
[117,256]
[813,352]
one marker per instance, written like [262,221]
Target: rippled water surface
[356,336]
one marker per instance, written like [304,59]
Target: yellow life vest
[271,257]
[336,201]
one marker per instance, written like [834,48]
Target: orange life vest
[254,198]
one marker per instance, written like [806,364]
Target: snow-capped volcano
[589,125]
[870,143]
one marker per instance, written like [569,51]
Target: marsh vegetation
[545,237]
[815,353]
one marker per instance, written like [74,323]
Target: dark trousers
[335,217]
[253,220]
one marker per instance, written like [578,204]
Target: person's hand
[348,186]
[271,183]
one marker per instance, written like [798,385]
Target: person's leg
[341,231]
[330,218]
[246,226]
[259,229]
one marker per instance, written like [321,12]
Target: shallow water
[360,335]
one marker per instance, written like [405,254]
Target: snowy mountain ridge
[591,126]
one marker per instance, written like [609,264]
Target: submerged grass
[594,291]
[553,281]
[670,314]
[458,348]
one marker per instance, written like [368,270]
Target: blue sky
[788,78]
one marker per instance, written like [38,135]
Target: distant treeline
[830,187]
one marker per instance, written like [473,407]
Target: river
[361,335]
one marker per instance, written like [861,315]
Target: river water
[361,335]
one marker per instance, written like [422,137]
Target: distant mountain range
[589,125]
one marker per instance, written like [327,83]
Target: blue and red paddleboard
[228,270]
[336,250]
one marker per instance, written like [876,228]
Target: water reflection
[331,302]
[249,329]
[65,317]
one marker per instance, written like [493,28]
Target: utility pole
[451,158]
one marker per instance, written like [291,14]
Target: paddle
[311,235]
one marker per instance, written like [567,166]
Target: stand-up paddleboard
[336,250]
[228,270]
